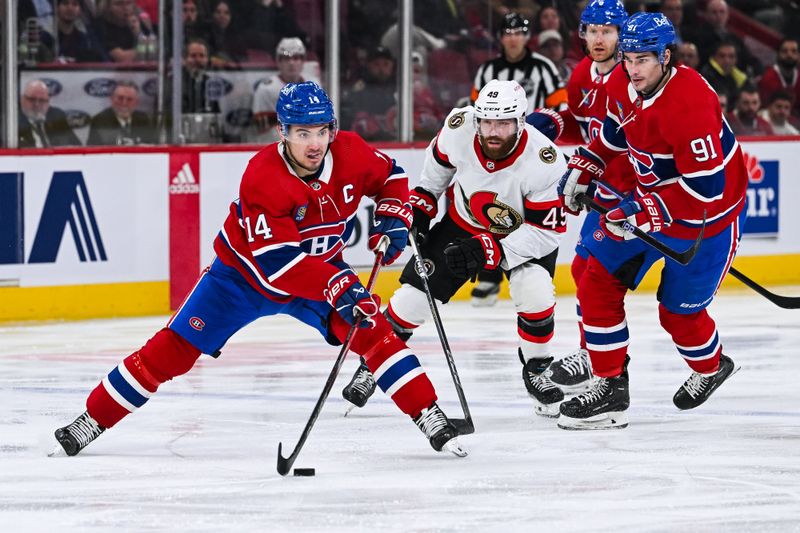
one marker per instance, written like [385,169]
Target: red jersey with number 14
[283,232]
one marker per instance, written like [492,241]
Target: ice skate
[546,396]
[573,373]
[440,431]
[603,406]
[360,388]
[699,387]
[76,436]
[485,293]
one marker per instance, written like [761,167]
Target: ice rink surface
[200,456]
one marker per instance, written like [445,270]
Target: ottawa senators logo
[456,121]
[548,155]
[486,210]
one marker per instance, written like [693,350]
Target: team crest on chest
[457,120]
[486,210]
[548,155]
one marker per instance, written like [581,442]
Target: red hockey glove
[467,257]
[393,220]
[425,209]
[583,167]
[648,213]
[348,296]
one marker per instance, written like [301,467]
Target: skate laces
[575,363]
[597,391]
[431,421]
[542,382]
[697,383]
[84,429]
[364,382]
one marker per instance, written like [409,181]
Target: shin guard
[695,336]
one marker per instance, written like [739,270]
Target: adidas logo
[184,182]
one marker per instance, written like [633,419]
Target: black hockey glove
[467,257]
[425,207]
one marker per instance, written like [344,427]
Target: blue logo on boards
[54,87]
[67,205]
[100,87]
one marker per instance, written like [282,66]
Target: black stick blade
[464,427]
[284,464]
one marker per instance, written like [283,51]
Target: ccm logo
[489,249]
[422,203]
[197,323]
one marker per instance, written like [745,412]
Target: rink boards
[125,232]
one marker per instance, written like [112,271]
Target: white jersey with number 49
[513,198]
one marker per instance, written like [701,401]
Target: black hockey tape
[304,472]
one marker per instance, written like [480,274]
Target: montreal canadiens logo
[197,323]
[598,235]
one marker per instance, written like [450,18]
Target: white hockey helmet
[290,46]
[502,100]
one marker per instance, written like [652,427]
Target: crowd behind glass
[88,67]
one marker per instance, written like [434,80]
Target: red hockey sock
[696,338]
[130,384]
[578,268]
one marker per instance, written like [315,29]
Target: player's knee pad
[364,339]
[531,288]
[577,268]
[409,306]
[599,292]
[167,355]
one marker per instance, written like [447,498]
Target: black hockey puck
[305,472]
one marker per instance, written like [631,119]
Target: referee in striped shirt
[543,87]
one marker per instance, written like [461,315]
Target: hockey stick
[463,426]
[285,463]
[784,302]
[683,258]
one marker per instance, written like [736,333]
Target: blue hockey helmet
[647,32]
[304,103]
[603,13]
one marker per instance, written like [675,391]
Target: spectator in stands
[41,11]
[722,73]
[369,107]
[744,119]
[116,35]
[537,74]
[122,123]
[715,30]
[269,22]
[193,27]
[783,75]
[778,114]
[290,55]
[227,44]
[200,95]
[688,55]
[40,124]
[74,44]
[551,46]
[723,102]
[673,10]
[428,114]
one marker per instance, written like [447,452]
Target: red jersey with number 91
[681,149]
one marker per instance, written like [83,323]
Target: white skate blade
[546,410]
[489,301]
[58,451]
[455,447]
[350,407]
[611,420]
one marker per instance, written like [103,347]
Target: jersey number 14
[261,228]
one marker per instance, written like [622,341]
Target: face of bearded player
[497,136]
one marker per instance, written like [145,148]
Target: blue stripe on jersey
[612,135]
[273,260]
[397,371]
[709,187]
[253,270]
[396,170]
[125,389]
[604,339]
[703,352]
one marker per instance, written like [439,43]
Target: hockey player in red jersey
[501,176]
[689,167]
[600,24]
[279,252]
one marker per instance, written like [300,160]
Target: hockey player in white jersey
[500,175]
